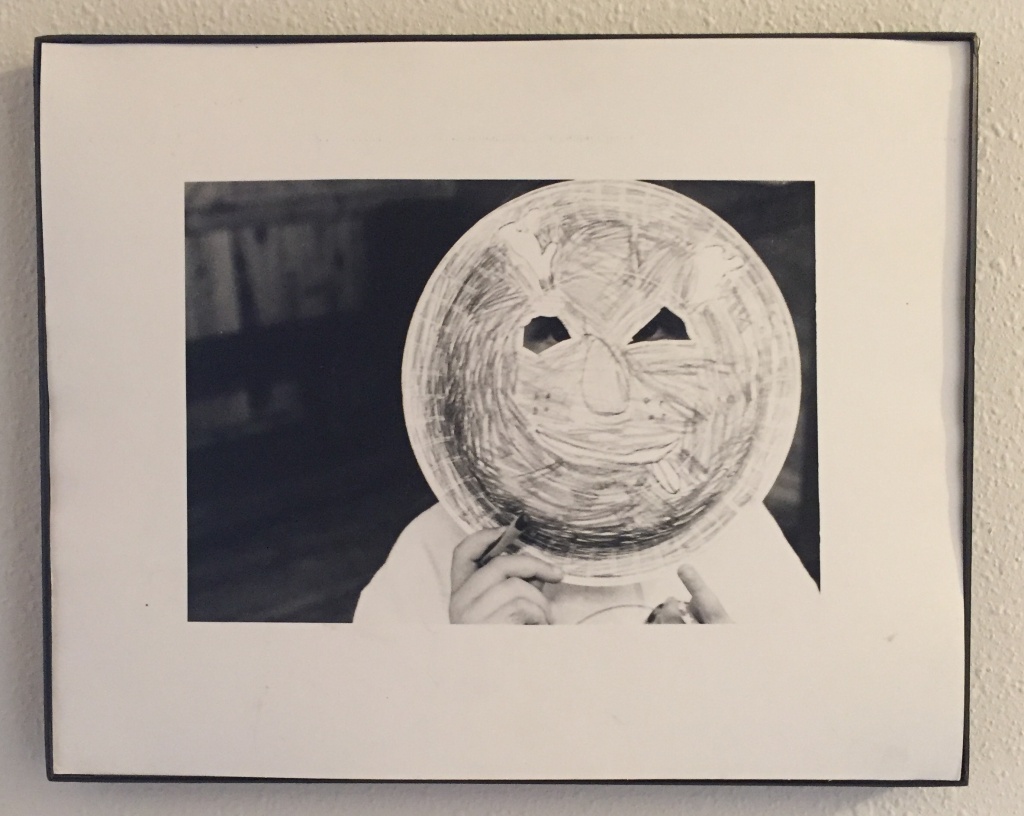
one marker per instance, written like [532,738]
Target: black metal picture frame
[218,356]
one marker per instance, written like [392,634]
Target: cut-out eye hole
[665,325]
[544,332]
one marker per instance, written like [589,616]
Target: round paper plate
[611,359]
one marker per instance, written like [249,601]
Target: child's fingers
[475,544]
[522,565]
[468,551]
[519,565]
[519,611]
[668,611]
[486,605]
[704,603]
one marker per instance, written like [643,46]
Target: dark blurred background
[298,298]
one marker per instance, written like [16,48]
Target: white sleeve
[414,584]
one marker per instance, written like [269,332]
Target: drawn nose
[605,380]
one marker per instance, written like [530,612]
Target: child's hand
[498,592]
[704,604]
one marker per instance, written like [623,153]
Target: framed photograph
[397,391]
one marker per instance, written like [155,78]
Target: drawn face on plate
[610,358]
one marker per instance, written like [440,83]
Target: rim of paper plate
[758,473]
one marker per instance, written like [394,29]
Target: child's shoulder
[413,583]
[434,528]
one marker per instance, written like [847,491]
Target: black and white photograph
[619,374]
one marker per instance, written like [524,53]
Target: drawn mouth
[607,447]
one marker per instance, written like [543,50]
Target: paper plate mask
[610,358]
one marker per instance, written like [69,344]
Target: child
[614,360]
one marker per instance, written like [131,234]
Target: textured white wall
[997,754]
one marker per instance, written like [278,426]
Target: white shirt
[748,565]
